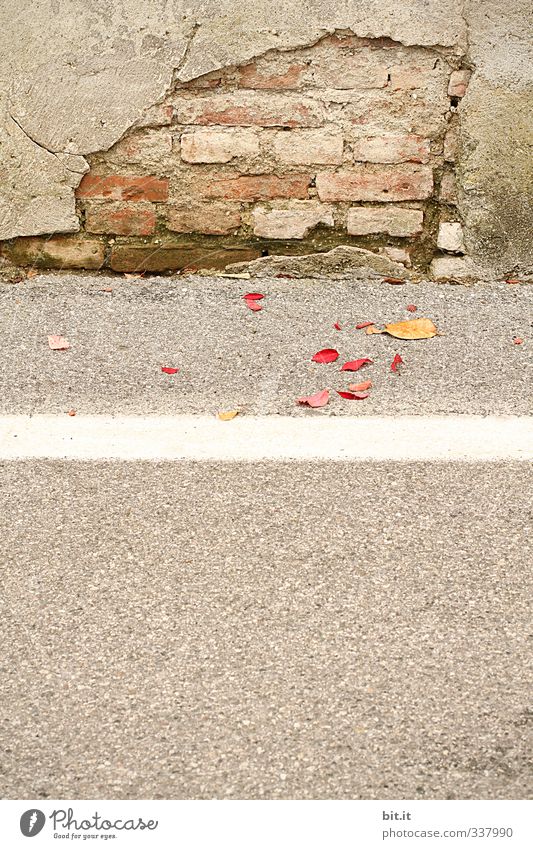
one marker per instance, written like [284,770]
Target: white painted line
[321,437]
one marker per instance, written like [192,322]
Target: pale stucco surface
[76,74]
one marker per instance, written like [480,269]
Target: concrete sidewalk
[299,630]
[199,628]
[232,358]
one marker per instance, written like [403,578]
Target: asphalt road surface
[266,629]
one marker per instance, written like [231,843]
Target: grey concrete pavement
[307,630]
[232,358]
[267,629]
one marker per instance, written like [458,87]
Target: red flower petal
[253,305]
[363,324]
[411,308]
[337,326]
[360,387]
[58,343]
[326,355]
[253,296]
[351,396]
[518,340]
[169,370]
[320,399]
[355,365]
[397,361]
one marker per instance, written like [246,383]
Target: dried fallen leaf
[169,370]
[58,343]
[512,280]
[326,355]
[337,326]
[108,289]
[397,361]
[355,365]
[253,296]
[32,273]
[372,329]
[351,396]
[320,399]
[228,416]
[253,305]
[244,275]
[414,328]
[518,341]
[394,281]
[360,387]
[71,413]
[411,308]
[363,324]
[285,276]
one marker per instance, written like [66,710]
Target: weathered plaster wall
[496,121]
[77,74]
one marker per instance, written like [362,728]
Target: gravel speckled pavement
[271,629]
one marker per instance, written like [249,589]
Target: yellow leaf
[373,329]
[415,328]
[227,417]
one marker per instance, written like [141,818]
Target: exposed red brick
[122,219]
[367,183]
[291,222]
[458,83]
[391,148]
[174,257]
[250,77]
[213,218]
[117,187]
[308,147]
[248,109]
[219,144]
[256,187]
[56,252]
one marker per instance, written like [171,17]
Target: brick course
[216,219]
[309,147]
[256,187]
[388,183]
[396,221]
[123,188]
[291,223]
[218,145]
[123,219]
[391,148]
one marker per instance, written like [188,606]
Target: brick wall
[350,141]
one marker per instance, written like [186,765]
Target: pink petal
[253,305]
[320,399]
[355,365]
[58,343]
